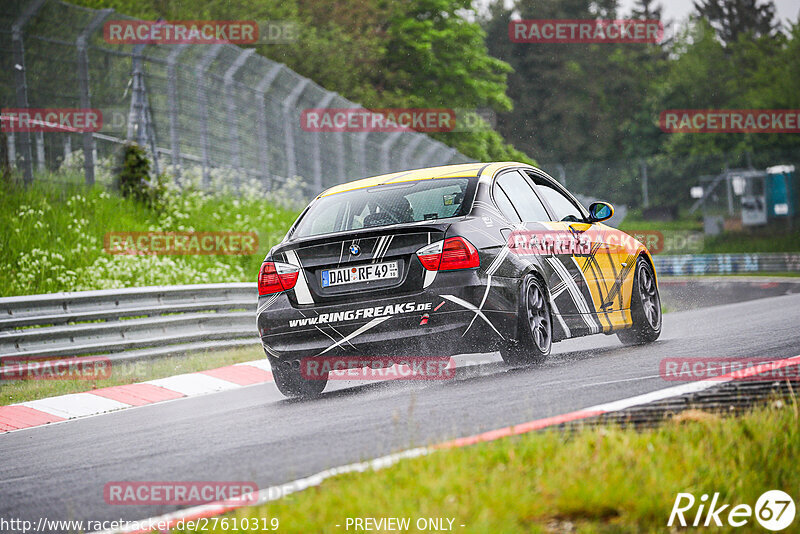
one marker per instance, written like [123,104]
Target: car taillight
[275,277]
[431,255]
[452,253]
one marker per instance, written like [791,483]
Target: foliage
[731,19]
[405,53]
[134,181]
[55,234]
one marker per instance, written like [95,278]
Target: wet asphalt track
[253,434]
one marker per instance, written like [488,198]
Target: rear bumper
[440,320]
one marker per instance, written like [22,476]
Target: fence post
[231,110]
[82,44]
[390,140]
[427,156]
[172,95]
[362,153]
[67,149]
[288,126]
[450,152]
[202,99]
[645,194]
[140,108]
[408,151]
[20,81]
[263,86]
[12,149]
[326,100]
[40,151]
[562,174]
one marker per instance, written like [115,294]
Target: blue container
[781,192]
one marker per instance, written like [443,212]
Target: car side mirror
[600,211]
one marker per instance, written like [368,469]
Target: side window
[563,207]
[505,205]
[518,190]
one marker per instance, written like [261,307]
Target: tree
[732,18]
[646,10]
[414,53]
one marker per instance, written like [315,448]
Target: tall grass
[602,479]
[52,236]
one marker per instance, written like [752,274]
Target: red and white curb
[75,405]
[99,401]
[166,522]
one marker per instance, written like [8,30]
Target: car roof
[463,170]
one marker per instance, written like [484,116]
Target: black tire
[293,384]
[535,329]
[645,307]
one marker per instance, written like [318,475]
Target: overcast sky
[679,9]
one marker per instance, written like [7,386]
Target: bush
[134,178]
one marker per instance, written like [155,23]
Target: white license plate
[360,273]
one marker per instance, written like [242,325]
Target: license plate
[360,273]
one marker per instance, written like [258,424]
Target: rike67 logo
[774,510]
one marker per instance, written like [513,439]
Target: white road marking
[76,405]
[193,384]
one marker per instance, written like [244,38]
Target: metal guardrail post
[261,89]
[288,126]
[202,98]
[172,96]
[20,81]
[82,44]
[326,100]
[233,128]
[386,147]
[408,151]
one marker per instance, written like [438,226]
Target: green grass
[753,242]
[52,237]
[768,239]
[593,480]
[12,392]
[632,223]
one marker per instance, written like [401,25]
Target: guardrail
[129,324]
[694,264]
[148,322]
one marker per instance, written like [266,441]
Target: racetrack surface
[253,434]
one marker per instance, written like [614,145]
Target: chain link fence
[218,114]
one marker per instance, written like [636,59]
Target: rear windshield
[385,205]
